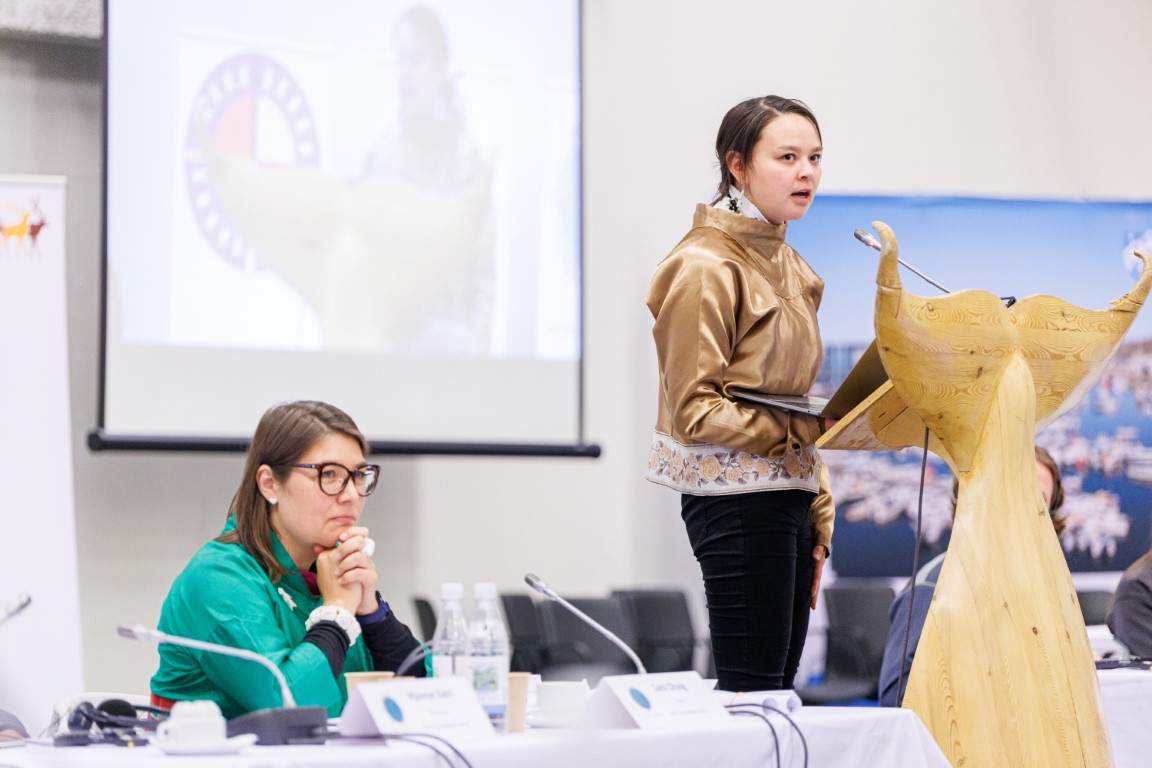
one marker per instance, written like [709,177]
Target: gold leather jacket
[734,306]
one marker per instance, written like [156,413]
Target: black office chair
[426,615]
[665,638]
[523,632]
[1094,605]
[573,650]
[857,631]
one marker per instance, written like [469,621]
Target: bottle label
[486,679]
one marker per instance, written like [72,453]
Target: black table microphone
[288,724]
[538,584]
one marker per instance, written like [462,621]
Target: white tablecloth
[1127,698]
[851,737]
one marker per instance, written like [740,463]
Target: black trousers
[755,551]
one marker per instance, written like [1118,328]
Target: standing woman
[735,307]
[290,577]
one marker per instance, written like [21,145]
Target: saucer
[223,747]
[551,719]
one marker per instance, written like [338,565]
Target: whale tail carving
[1003,673]
[945,354]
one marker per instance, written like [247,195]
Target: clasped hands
[346,573]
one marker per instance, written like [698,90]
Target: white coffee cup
[561,698]
[193,722]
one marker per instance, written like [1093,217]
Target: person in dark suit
[1130,617]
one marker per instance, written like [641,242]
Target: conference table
[829,737]
[851,737]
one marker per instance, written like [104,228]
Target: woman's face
[303,514]
[783,172]
[1047,483]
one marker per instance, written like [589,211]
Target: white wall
[980,97]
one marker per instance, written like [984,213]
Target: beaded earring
[734,202]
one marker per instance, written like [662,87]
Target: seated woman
[290,577]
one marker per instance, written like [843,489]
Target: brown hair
[1059,522]
[741,127]
[284,434]
[1045,458]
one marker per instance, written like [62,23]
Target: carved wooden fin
[945,355]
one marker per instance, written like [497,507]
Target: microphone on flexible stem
[287,724]
[538,584]
[872,242]
[14,606]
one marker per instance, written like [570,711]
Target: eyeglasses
[333,478]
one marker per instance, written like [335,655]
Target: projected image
[374,203]
[1080,252]
[398,187]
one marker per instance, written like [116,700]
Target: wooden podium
[1003,674]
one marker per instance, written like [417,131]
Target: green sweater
[224,596]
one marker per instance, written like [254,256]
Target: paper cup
[353,679]
[517,700]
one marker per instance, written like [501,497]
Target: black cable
[804,742]
[915,573]
[741,710]
[768,709]
[417,653]
[415,739]
[439,752]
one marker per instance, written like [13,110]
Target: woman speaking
[735,307]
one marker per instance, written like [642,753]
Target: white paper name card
[658,701]
[446,706]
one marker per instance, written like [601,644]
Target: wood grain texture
[1003,673]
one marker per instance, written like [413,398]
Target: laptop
[865,377]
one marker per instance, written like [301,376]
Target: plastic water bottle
[450,640]
[488,655]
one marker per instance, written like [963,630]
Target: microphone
[14,606]
[538,584]
[287,724]
[872,242]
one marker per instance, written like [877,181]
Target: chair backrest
[1094,604]
[857,630]
[523,632]
[426,615]
[665,637]
[571,643]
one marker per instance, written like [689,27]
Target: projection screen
[368,202]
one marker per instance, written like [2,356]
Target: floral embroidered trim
[712,470]
[287,598]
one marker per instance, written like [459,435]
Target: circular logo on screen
[249,107]
[640,698]
[393,709]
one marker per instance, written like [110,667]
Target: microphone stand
[538,584]
[287,724]
[872,242]
[17,604]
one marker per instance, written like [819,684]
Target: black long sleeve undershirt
[388,641]
[332,641]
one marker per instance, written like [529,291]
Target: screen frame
[101,439]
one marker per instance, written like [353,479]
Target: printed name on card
[446,706]
[656,701]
